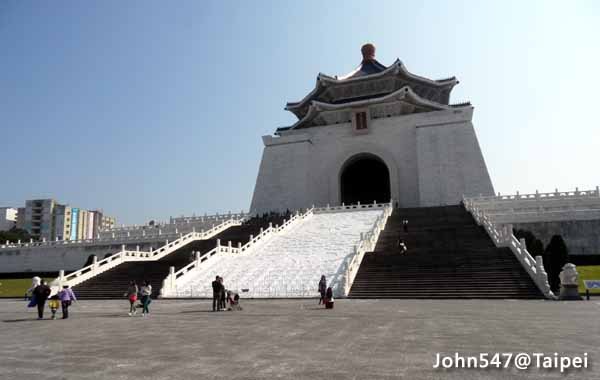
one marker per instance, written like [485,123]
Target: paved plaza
[293,339]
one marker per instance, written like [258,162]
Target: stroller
[233,298]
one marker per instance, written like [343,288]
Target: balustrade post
[172,278]
[598,191]
[94,264]
[251,237]
[198,257]
[523,243]
[240,245]
[31,241]
[61,276]
[229,246]
[361,236]
[270,224]
[137,248]
[261,230]
[159,232]
[219,242]
[122,247]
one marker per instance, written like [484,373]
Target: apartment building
[46,219]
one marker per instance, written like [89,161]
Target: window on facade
[361,121]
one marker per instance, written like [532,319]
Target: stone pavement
[293,339]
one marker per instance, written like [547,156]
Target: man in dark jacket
[41,292]
[216,286]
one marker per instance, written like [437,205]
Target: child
[54,304]
[329,298]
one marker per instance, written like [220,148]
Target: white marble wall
[433,158]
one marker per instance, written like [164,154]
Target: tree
[556,256]
[14,235]
[534,245]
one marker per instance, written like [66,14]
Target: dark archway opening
[365,179]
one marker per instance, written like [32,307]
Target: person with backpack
[41,294]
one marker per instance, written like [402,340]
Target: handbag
[32,302]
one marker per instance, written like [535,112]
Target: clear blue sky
[148,109]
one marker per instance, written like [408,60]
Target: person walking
[402,246]
[131,294]
[41,293]
[146,292]
[405,225]
[215,287]
[322,289]
[66,296]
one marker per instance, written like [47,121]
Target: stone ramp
[291,263]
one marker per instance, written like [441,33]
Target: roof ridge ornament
[368,52]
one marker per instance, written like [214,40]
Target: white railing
[131,234]
[540,207]
[366,244]
[576,194]
[124,255]
[504,237]
[352,207]
[170,284]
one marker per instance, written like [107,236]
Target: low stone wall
[53,259]
[581,236]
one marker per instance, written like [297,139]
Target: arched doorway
[365,178]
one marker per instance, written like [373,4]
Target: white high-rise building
[8,218]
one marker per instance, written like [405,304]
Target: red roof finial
[368,51]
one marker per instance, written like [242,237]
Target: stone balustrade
[366,244]
[140,235]
[504,237]
[539,207]
[124,255]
